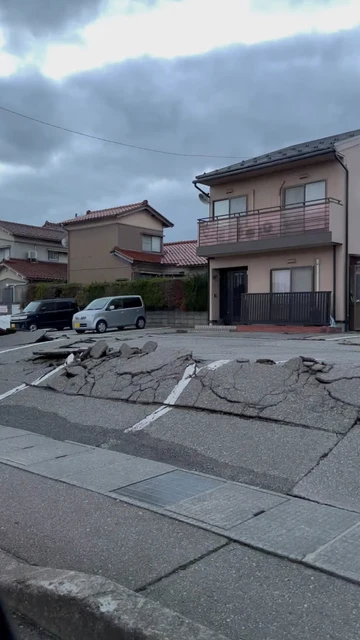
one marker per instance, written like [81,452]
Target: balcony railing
[265,224]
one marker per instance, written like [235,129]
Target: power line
[122,144]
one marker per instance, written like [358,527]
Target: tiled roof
[139,256]
[304,149]
[52,233]
[182,254]
[40,271]
[116,211]
[179,254]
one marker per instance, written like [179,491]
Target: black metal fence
[304,308]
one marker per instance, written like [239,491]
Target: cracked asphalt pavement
[277,413]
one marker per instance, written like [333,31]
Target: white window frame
[152,243]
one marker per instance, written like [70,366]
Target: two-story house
[121,243]
[282,237]
[30,253]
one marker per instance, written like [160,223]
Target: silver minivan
[110,313]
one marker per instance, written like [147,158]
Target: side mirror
[111,308]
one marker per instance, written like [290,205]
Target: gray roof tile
[312,147]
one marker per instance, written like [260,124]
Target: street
[127,466]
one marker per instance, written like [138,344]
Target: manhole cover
[169,488]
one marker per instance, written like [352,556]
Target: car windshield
[32,306]
[99,303]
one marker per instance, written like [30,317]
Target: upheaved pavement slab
[290,393]
[336,479]
[247,594]
[46,522]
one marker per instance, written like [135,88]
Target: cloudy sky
[205,80]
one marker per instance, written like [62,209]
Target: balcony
[315,223]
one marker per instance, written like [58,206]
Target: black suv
[45,314]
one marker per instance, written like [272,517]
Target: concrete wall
[176,318]
[260,265]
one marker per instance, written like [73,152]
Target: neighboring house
[283,236]
[29,253]
[177,260]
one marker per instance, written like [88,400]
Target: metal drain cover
[169,488]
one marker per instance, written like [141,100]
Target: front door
[233,282]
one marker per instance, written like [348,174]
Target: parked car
[45,314]
[109,313]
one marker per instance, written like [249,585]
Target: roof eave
[210,178]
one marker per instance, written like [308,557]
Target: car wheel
[101,326]
[33,327]
[140,323]
[79,331]
[120,328]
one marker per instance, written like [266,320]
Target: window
[63,305]
[4,253]
[151,243]
[117,303]
[292,280]
[53,255]
[47,306]
[234,206]
[131,303]
[304,193]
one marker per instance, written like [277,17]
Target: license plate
[76,325]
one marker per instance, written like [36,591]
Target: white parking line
[188,374]
[33,344]
[36,382]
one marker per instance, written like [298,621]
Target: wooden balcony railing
[268,223]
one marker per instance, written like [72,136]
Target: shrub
[189,294]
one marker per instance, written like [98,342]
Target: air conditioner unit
[32,255]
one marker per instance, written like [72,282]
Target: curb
[74,606]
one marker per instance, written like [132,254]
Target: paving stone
[10,432]
[22,442]
[126,471]
[227,505]
[37,453]
[336,480]
[87,460]
[170,488]
[341,557]
[295,528]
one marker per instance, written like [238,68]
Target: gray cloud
[25,20]
[238,101]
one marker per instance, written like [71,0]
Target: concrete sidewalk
[317,535]
[168,534]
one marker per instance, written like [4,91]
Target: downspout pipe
[201,190]
[340,160]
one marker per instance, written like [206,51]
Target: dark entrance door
[233,282]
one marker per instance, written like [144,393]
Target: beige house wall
[266,191]
[352,160]
[259,267]
[144,220]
